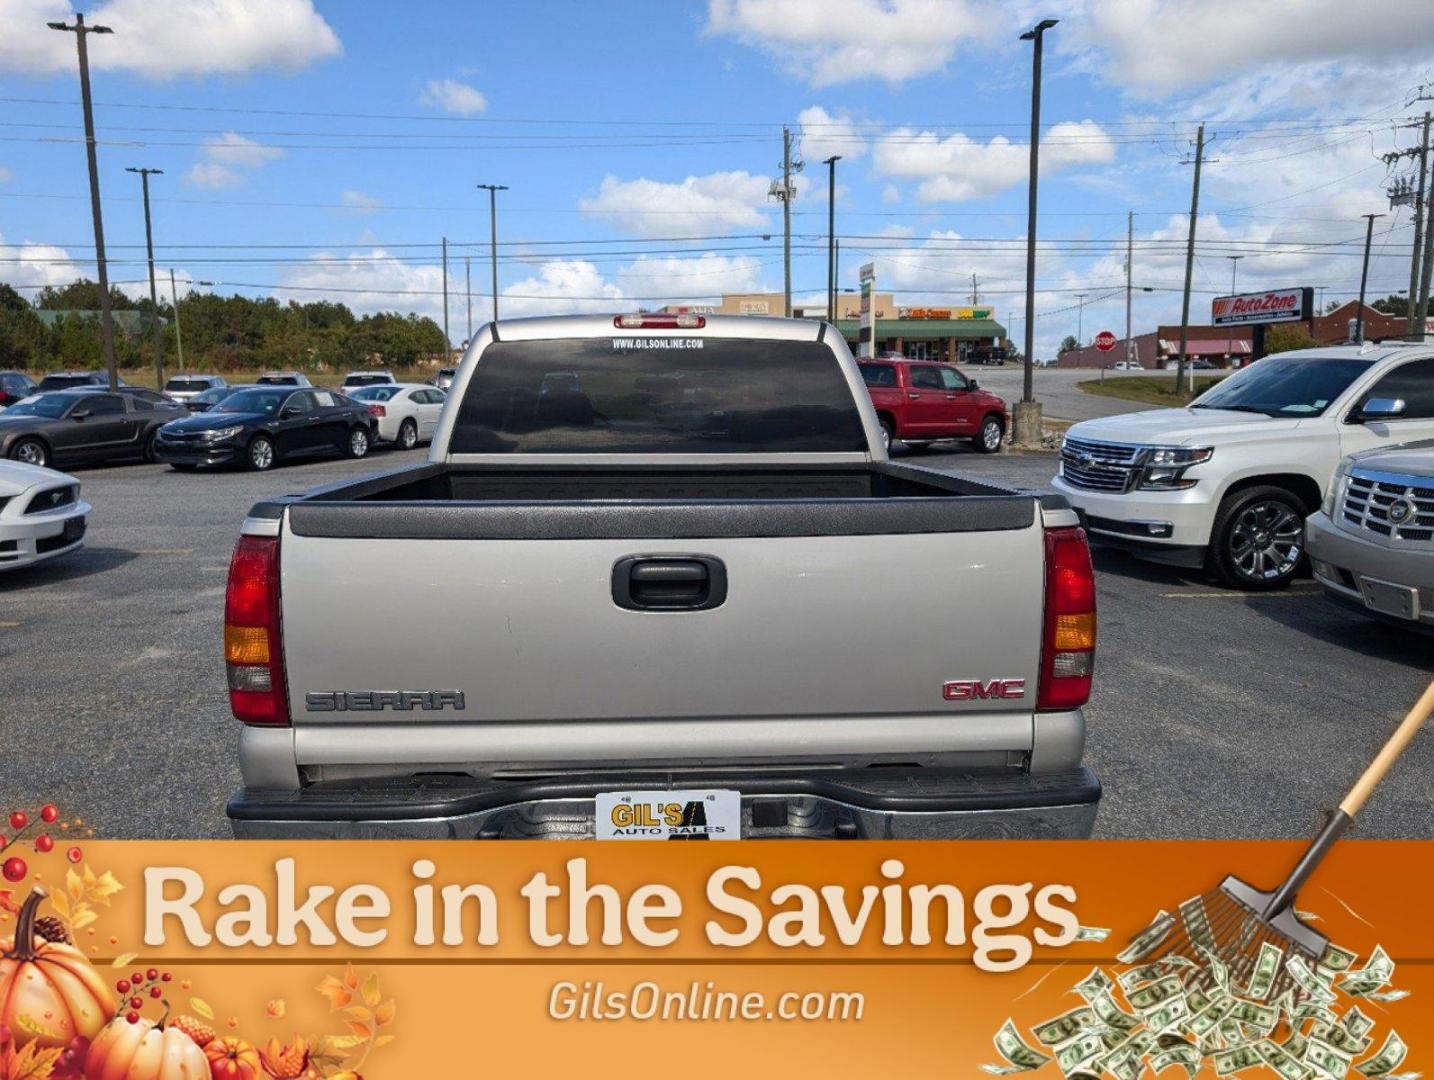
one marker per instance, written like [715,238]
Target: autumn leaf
[74,885]
[384,1014]
[123,959]
[359,1013]
[337,993]
[342,1042]
[61,903]
[202,1007]
[371,994]
[31,1062]
[351,979]
[276,1008]
[383,1040]
[363,1031]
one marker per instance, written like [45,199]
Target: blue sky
[323,149]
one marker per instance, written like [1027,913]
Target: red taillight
[660,322]
[253,647]
[1068,641]
[377,410]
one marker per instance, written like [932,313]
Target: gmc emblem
[976,690]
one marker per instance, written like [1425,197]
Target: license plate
[1389,599]
[669,815]
[73,530]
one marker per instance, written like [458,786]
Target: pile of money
[1187,1007]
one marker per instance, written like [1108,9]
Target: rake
[1233,921]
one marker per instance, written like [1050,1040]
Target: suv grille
[1099,466]
[1399,508]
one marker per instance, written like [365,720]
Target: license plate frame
[703,813]
[1390,598]
[72,530]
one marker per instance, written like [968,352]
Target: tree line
[223,333]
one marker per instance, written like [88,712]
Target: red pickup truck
[919,401]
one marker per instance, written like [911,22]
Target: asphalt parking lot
[1215,714]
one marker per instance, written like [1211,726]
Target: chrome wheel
[358,443]
[261,454]
[1267,541]
[991,436]
[31,452]
[408,435]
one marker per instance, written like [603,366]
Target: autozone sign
[1276,305]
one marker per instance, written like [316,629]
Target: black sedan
[206,400]
[262,425]
[72,426]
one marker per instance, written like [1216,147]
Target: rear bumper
[927,803]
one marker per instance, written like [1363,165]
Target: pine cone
[52,929]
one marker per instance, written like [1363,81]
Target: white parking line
[1236,595]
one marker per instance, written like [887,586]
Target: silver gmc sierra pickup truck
[659,579]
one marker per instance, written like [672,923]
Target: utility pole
[1230,338]
[830,163]
[975,292]
[1415,325]
[1189,264]
[1129,252]
[144,175]
[468,292]
[1028,410]
[836,271]
[1080,319]
[783,192]
[492,190]
[107,325]
[178,337]
[447,341]
[1364,278]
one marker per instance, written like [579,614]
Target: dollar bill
[1014,1049]
[1267,966]
[1355,1022]
[1329,1060]
[1142,974]
[1146,998]
[1208,1019]
[1064,1028]
[1296,1044]
[1313,1010]
[1387,995]
[1236,1059]
[1168,1015]
[1283,1062]
[1080,1052]
[1313,986]
[1262,1017]
[1148,940]
[1336,959]
[1197,923]
[1391,1055]
[1186,1056]
[1217,969]
[1094,984]
[1375,974]
[1340,1038]
[1197,998]
[1092,933]
[1112,1015]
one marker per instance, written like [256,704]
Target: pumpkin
[232,1058]
[144,1050]
[49,994]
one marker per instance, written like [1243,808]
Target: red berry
[137,978]
[132,1017]
[19,819]
[74,854]
[122,986]
[152,974]
[49,812]
[14,868]
[136,1003]
[155,991]
[44,844]
[165,977]
[4,840]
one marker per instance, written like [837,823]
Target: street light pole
[107,326]
[1028,410]
[1230,341]
[1080,319]
[468,293]
[144,175]
[178,337]
[830,163]
[1364,278]
[492,190]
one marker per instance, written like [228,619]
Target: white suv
[1227,482]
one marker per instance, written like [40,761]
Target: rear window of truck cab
[636,394]
[878,374]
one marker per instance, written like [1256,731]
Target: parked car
[207,399]
[153,398]
[283,378]
[81,425]
[67,380]
[1127,365]
[1372,543]
[41,515]
[263,425]
[182,388]
[1201,364]
[354,379]
[444,379]
[1228,482]
[14,385]
[407,413]
[732,502]
[918,401]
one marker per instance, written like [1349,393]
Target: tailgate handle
[669,583]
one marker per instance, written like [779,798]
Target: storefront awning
[1208,347]
[928,329]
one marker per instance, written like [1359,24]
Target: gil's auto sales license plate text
[669,815]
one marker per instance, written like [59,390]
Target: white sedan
[41,514]
[407,413]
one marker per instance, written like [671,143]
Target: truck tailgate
[845,627]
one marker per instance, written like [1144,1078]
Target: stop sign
[1105,341]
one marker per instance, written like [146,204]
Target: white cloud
[359,202]
[233,149]
[561,286]
[165,39]
[1158,46]
[697,206]
[843,40]
[958,168]
[209,174]
[5,175]
[824,135]
[372,280]
[453,96]
[36,264]
[891,195]
[708,275]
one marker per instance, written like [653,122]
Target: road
[1057,391]
[1215,714]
